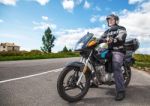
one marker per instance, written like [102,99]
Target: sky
[24,21]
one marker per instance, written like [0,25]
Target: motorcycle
[74,80]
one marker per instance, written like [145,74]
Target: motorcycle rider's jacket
[118,33]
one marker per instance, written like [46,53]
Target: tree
[48,41]
[65,49]
[36,52]
[70,50]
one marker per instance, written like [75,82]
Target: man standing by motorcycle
[115,37]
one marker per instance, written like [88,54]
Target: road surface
[33,83]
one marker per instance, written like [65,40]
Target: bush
[36,52]
[142,62]
[142,57]
[10,53]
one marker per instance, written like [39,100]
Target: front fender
[76,64]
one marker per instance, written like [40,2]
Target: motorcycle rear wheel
[127,75]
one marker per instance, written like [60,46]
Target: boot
[120,95]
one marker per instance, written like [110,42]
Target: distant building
[9,47]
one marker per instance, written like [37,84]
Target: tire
[60,86]
[127,80]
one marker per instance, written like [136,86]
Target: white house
[9,47]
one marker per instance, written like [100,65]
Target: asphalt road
[33,83]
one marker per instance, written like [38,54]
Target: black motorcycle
[75,79]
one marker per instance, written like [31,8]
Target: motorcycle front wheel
[67,87]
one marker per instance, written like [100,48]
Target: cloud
[137,22]
[135,1]
[43,25]
[102,18]
[13,36]
[97,18]
[145,7]
[45,18]
[24,41]
[8,2]
[78,2]
[87,5]
[68,5]
[143,51]
[1,21]
[13,2]
[97,8]
[93,18]
[69,37]
[104,26]
[42,2]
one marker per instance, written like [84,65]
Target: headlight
[91,43]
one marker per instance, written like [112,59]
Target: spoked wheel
[126,75]
[67,84]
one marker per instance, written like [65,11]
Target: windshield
[81,44]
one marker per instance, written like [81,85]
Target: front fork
[83,72]
[86,67]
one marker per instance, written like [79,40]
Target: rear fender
[130,61]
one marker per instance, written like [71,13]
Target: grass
[145,66]
[142,64]
[37,56]
[142,61]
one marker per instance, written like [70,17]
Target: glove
[110,40]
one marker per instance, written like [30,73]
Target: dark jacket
[118,33]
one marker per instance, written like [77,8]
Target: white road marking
[29,76]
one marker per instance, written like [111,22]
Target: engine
[103,75]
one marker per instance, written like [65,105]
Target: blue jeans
[117,62]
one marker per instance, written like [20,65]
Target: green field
[8,56]
[142,61]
